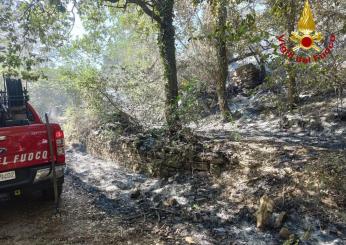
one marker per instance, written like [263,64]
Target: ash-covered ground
[104,203]
[297,159]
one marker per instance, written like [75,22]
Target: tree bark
[222,59]
[166,42]
[163,13]
[292,95]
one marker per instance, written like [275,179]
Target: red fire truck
[26,153]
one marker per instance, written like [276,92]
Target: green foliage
[28,32]
[86,82]
[115,64]
[191,100]
[331,174]
[238,27]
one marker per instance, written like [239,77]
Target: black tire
[15,92]
[48,194]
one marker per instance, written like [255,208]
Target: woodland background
[192,86]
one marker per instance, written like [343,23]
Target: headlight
[45,173]
[42,174]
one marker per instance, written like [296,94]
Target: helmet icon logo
[306,37]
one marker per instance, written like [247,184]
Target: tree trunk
[166,41]
[162,12]
[292,95]
[222,59]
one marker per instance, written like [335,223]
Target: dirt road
[32,220]
[103,203]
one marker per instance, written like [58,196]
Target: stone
[264,211]
[212,157]
[341,115]
[135,194]
[247,76]
[215,169]
[285,123]
[284,233]
[157,155]
[338,114]
[236,115]
[190,240]
[200,166]
[235,160]
[170,202]
[78,147]
[220,231]
[316,125]
[279,219]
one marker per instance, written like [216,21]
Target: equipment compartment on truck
[25,159]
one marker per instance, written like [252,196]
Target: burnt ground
[300,163]
[104,203]
[31,220]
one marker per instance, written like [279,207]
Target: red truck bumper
[31,179]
